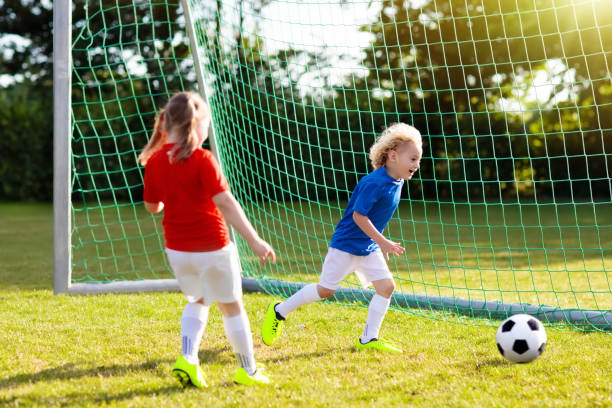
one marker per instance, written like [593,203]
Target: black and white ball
[521,338]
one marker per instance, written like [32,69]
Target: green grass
[118,349]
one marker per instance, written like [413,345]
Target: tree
[26,143]
[450,68]
[30,54]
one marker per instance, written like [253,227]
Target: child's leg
[337,265]
[238,331]
[308,294]
[193,323]
[378,308]
[278,311]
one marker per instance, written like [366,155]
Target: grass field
[118,349]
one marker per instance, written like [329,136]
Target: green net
[511,205]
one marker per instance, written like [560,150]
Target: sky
[325,27]
[6,42]
[321,26]
[332,27]
[8,39]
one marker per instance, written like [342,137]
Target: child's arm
[386,246]
[154,208]
[235,216]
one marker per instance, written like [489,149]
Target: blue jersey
[376,196]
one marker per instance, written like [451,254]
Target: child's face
[405,160]
[202,130]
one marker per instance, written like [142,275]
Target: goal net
[511,209]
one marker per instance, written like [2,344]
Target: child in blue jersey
[357,244]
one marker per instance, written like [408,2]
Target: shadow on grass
[90,395]
[493,362]
[310,355]
[217,355]
[73,371]
[86,397]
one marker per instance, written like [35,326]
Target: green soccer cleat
[272,325]
[189,374]
[258,377]
[378,345]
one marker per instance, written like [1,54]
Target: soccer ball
[521,338]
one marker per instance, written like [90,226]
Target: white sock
[376,313]
[308,294]
[238,331]
[193,323]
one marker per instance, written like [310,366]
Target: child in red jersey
[185,181]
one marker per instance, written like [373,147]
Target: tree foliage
[26,143]
[466,73]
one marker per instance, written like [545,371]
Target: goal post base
[477,308]
[491,309]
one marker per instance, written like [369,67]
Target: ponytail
[158,139]
[189,142]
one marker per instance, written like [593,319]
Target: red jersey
[192,222]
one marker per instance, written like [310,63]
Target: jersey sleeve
[367,196]
[211,176]
[150,195]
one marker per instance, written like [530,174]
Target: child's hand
[390,247]
[263,250]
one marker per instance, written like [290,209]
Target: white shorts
[339,264]
[214,275]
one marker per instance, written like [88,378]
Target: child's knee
[325,292]
[385,288]
[230,309]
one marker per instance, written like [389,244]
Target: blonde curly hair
[390,139]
